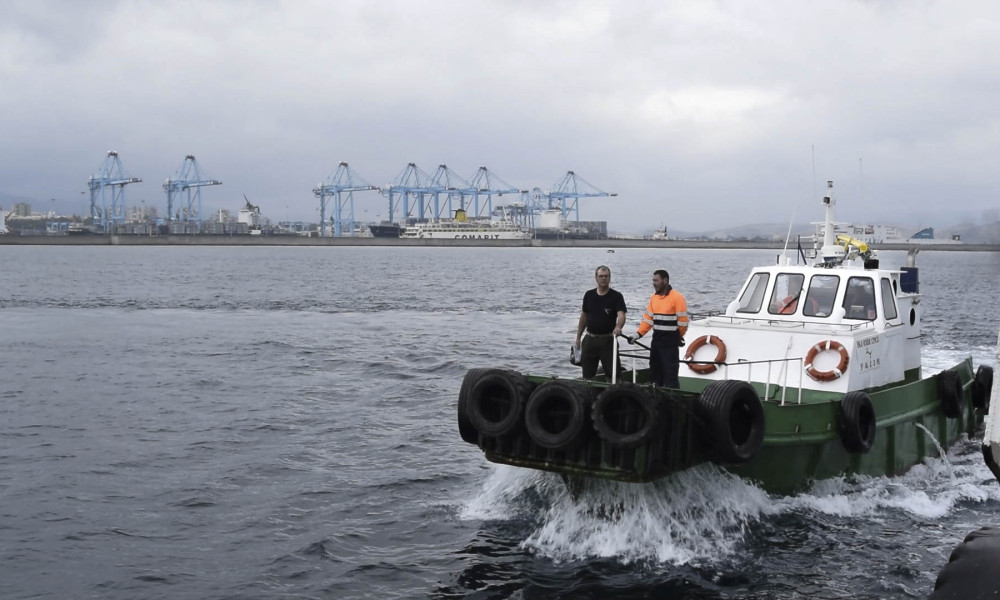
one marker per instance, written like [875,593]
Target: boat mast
[831,252]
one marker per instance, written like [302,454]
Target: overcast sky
[699,115]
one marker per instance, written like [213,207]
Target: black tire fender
[496,402]
[733,417]
[625,415]
[465,427]
[557,413]
[950,393]
[857,422]
[982,387]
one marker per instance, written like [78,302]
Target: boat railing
[791,323]
[781,379]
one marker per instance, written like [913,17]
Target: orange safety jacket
[667,316]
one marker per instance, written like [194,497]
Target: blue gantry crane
[187,178]
[109,181]
[412,181]
[342,180]
[571,188]
[447,181]
[487,183]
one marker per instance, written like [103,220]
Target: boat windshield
[859,300]
[753,295]
[822,292]
[787,290]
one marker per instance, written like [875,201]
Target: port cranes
[572,187]
[446,180]
[417,195]
[414,181]
[488,183]
[109,181]
[187,177]
[342,180]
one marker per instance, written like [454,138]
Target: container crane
[487,183]
[110,180]
[572,187]
[187,177]
[448,181]
[411,181]
[342,180]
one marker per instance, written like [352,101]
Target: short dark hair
[663,274]
[602,268]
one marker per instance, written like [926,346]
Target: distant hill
[970,233]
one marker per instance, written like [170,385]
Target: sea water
[280,423]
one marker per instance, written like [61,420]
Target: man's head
[602,275]
[661,279]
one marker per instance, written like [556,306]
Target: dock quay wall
[290,240]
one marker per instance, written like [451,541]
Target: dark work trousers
[664,362]
[596,348]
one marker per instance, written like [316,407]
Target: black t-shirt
[602,311]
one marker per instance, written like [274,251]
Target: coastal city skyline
[698,116]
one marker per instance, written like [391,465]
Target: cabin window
[821,295]
[888,300]
[787,290]
[859,299]
[753,295]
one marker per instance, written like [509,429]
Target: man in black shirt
[603,317]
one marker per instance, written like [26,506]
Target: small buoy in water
[611,251]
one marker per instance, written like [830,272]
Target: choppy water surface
[279,422]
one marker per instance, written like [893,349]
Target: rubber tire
[982,387]
[857,422]
[496,402]
[561,405]
[950,393]
[465,427]
[733,417]
[633,402]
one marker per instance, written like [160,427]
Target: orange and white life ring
[833,373]
[706,368]
[788,305]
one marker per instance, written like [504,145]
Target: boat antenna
[795,208]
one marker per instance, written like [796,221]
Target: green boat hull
[803,439]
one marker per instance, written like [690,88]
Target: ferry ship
[462,229]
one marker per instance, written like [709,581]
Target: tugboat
[811,372]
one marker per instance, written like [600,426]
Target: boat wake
[705,515]
[694,516]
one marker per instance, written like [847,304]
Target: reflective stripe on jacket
[667,316]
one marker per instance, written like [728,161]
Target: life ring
[733,420]
[705,368]
[950,393]
[788,305]
[857,422]
[833,373]
[496,402]
[557,413]
[465,427]
[625,415]
[982,387]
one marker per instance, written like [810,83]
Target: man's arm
[621,323]
[580,327]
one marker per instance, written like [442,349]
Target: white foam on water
[702,514]
[699,514]
[929,490]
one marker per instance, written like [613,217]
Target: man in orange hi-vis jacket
[667,316]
